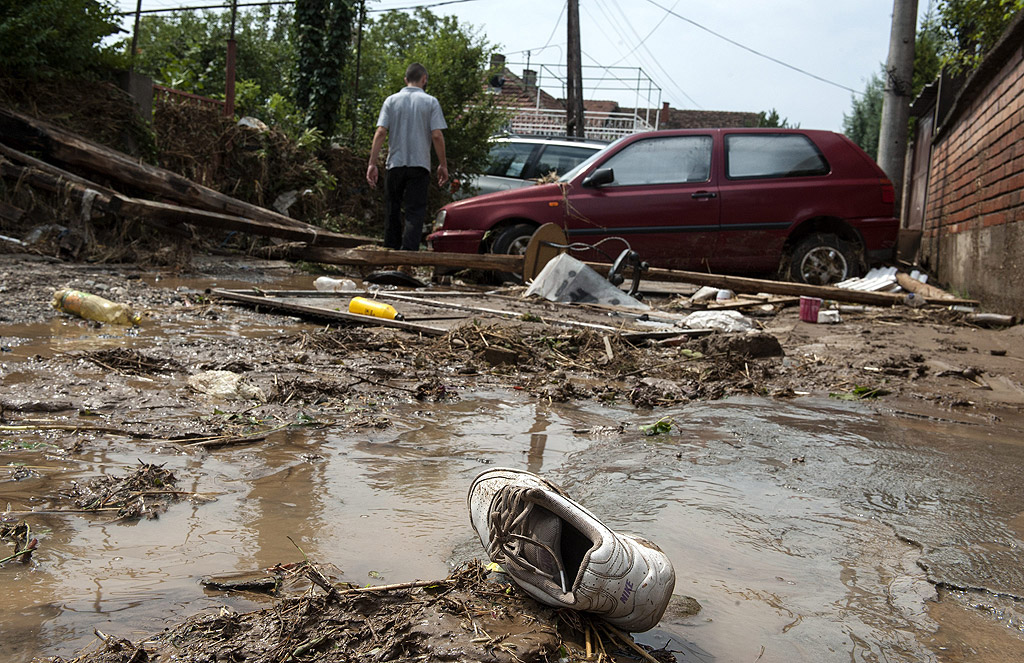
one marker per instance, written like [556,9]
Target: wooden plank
[924,289]
[100,198]
[385,257]
[750,285]
[71,149]
[149,210]
[506,263]
[562,322]
[275,304]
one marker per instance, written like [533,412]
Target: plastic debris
[94,307]
[327,284]
[566,279]
[374,308]
[727,321]
[225,384]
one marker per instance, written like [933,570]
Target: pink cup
[809,307]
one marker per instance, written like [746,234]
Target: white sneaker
[563,556]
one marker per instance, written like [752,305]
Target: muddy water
[808,530]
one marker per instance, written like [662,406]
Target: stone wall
[973,229]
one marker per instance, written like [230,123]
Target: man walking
[412,120]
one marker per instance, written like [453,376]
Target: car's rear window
[772,155]
[560,159]
[509,159]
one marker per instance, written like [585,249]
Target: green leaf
[659,427]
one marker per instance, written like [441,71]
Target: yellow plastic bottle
[364,306]
[94,307]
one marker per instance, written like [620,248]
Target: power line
[271,3]
[653,57]
[648,60]
[755,51]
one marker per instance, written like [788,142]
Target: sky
[806,59]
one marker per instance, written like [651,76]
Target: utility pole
[899,72]
[229,74]
[574,125]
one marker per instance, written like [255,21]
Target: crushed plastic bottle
[94,307]
[327,284]
[363,306]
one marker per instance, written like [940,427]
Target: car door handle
[704,194]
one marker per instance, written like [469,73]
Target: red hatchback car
[810,204]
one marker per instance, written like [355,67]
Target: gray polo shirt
[410,115]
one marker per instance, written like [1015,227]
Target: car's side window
[509,159]
[662,160]
[560,159]
[772,155]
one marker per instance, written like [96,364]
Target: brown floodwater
[808,529]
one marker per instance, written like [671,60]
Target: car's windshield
[583,165]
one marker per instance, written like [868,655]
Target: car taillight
[888,191]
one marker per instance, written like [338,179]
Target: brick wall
[973,230]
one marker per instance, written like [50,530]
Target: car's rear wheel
[512,241]
[824,259]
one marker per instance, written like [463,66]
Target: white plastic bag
[566,279]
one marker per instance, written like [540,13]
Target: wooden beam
[168,213]
[749,285]
[100,198]
[274,304]
[924,289]
[385,257]
[71,149]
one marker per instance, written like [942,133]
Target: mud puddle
[803,529]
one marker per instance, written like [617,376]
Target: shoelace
[506,522]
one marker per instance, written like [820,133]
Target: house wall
[973,229]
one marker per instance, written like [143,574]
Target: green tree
[969,28]
[188,50]
[44,37]
[863,124]
[456,59]
[323,30]
[773,119]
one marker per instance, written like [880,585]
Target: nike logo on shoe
[627,590]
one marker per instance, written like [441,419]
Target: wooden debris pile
[99,181]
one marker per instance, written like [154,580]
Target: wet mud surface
[806,527]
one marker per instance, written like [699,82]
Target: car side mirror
[599,177]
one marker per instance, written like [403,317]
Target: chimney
[665,113]
[497,62]
[529,79]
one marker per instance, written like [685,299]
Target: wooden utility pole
[229,73]
[574,125]
[899,72]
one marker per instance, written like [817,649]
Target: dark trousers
[406,186]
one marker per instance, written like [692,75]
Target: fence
[600,125]
[206,103]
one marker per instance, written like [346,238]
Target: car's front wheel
[512,241]
[824,259]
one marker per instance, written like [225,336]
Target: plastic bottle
[363,306]
[94,307]
[327,284]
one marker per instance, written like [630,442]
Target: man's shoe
[563,556]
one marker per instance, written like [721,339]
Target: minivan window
[772,155]
[560,159]
[662,160]
[508,159]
